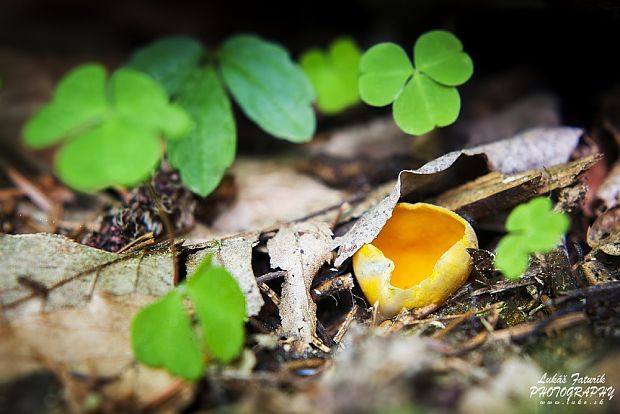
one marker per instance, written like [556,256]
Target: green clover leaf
[384,69]
[537,222]
[533,228]
[115,152]
[203,156]
[80,99]
[270,88]
[424,97]
[141,101]
[333,73]
[220,307]
[424,104]
[111,132]
[163,336]
[439,54]
[168,60]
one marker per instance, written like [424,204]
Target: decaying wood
[346,324]
[270,276]
[332,286]
[547,326]
[495,191]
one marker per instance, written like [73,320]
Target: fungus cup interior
[414,238]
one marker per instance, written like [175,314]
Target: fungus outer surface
[419,258]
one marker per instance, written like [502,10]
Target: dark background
[571,46]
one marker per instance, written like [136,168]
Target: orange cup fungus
[419,258]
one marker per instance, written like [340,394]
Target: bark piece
[495,191]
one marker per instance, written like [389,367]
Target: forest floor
[75,268]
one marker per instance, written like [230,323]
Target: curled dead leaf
[300,249]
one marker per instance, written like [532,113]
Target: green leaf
[270,89]
[439,54]
[79,100]
[139,99]
[220,306]
[533,228]
[425,104]
[162,333]
[204,155]
[384,69]
[423,96]
[169,60]
[162,336]
[114,134]
[511,256]
[334,74]
[115,153]
[538,223]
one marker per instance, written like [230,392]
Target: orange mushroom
[419,258]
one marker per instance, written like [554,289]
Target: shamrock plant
[163,335]
[532,227]
[109,129]
[424,94]
[174,89]
[333,74]
[270,89]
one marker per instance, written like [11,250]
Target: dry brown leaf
[235,254]
[88,342]
[46,272]
[301,249]
[605,231]
[535,110]
[379,139]
[609,190]
[536,148]
[271,193]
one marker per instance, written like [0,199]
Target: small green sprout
[334,74]
[532,227]
[424,96]
[110,129]
[162,334]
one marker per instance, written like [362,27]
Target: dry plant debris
[300,249]
[298,304]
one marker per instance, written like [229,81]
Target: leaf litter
[300,249]
[480,182]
